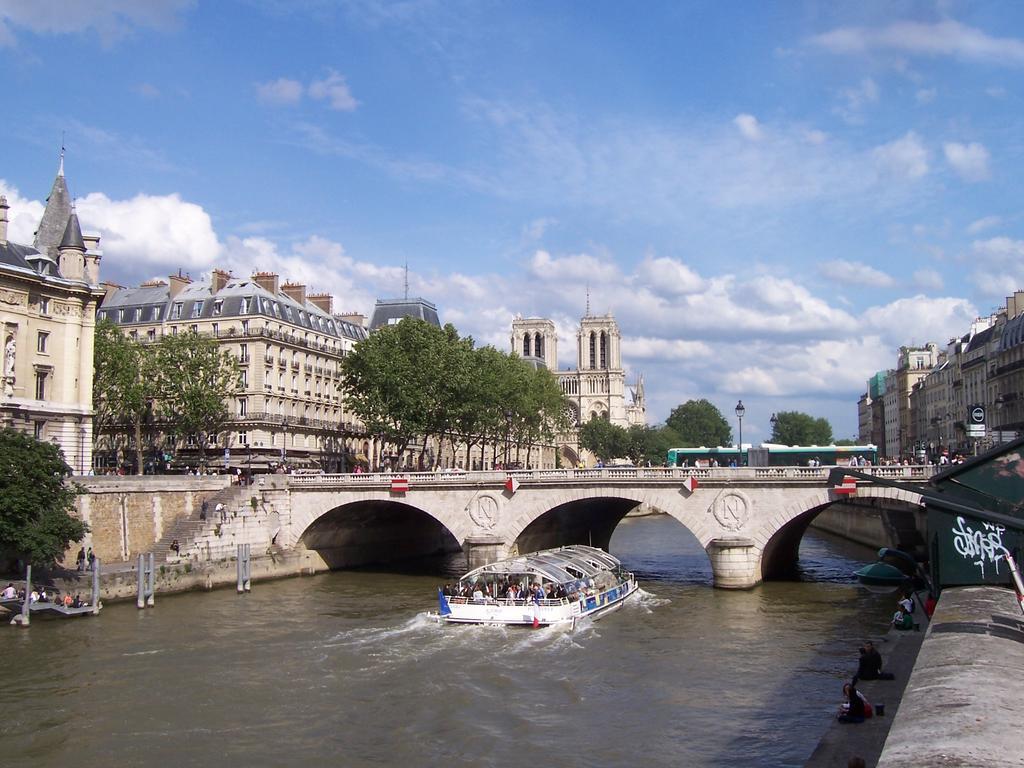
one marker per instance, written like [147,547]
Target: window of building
[197,309]
[41,341]
[215,327]
[243,438]
[243,353]
[244,309]
[245,326]
[151,334]
[218,306]
[244,379]
[154,313]
[242,406]
[44,306]
[176,310]
[526,345]
[39,431]
[134,335]
[40,385]
[120,315]
[194,328]
[174,330]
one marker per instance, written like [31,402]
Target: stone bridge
[749,520]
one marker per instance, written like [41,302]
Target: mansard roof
[239,297]
[390,311]
[981,338]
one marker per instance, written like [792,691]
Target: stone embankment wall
[963,703]
[872,527]
[128,515]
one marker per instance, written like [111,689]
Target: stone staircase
[247,523]
[188,529]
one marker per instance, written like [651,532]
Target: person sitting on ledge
[853,709]
[870,665]
[902,620]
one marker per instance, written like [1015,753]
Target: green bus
[772,455]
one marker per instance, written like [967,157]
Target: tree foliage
[36,501]
[796,428]
[604,439]
[699,423]
[194,382]
[124,387]
[413,379]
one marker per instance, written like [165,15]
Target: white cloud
[980,225]
[918,319]
[996,92]
[970,161]
[928,280]
[850,272]
[111,20]
[855,100]
[943,38]
[668,277]
[748,126]
[925,95]
[151,230]
[580,267]
[335,91]
[280,92]
[905,157]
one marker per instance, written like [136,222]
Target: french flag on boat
[848,487]
[442,604]
[399,484]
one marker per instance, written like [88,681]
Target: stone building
[595,386]
[49,292]
[288,346]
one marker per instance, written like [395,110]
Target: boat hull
[529,614]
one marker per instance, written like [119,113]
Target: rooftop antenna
[60,170]
[588,301]
[407,279]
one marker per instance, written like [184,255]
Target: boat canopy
[560,565]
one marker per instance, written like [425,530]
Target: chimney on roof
[356,318]
[268,281]
[218,279]
[3,218]
[110,288]
[295,291]
[322,301]
[177,283]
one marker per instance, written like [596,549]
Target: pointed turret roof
[55,217]
[73,234]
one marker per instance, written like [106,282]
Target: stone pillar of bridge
[483,550]
[735,562]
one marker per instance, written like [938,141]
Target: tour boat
[552,586]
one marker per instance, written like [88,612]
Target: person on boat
[67,600]
[9,592]
[34,597]
[853,710]
[478,593]
[77,602]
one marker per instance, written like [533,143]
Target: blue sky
[771,198]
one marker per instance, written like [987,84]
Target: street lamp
[508,432]
[740,410]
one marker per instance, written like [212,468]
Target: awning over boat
[558,565]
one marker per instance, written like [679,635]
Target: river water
[344,669]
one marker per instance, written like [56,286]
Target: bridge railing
[918,472]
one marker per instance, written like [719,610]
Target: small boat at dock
[549,587]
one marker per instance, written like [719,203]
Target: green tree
[195,382]
[36,524]
[796,428]
[124,387]
[603,439]
[699,423]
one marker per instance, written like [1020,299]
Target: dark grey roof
[238,298]
[14,255]
[55,217]
[1013,333]
[981,338]
[390,311]
[73,234]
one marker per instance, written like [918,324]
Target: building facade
[49,292]
[595,386]
[289,409]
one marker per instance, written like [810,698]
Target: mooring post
[26,608]
[140,599]
[248,568]
[238,567]
[151,592]
[95,586]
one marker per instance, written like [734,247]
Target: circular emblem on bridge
[483,511]
[731,509]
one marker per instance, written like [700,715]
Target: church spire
[55,216]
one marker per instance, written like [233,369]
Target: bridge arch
[376,531]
